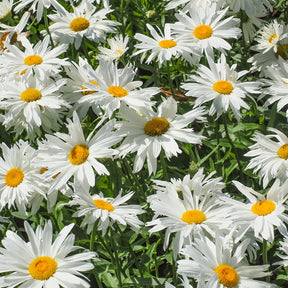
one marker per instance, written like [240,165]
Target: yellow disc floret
[104,205]
[283,151]
[78,154]
[227,275]
[157,126]
[263,207]
[117,91]
[272,38]
[14,177]
[79,24]
[203,31]
[33,60]
[167,44]
[193,216]
[31,94]
[223,87]
[42,268]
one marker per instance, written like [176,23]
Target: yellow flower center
[42,268]
[79,24]
[223,87]
[33,60]
[263,207]
[157,126]
[167,44]
[227,275]
[203,31]
[117,91]
[31,94]
[283,151]
[281,52]
[193,216]
[14,177]
[89,92]
[104,205]
[271,39]
[78,154]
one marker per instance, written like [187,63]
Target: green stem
[232,146]
[164,166]
[169,78]
[283,50]
[92,237]
[265,257]
[47,26]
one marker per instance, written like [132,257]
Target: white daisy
[115,86]
[39,59]
[19,181]
[221,265]
[175,3]
[84,21]
[5,8]
[269,156]
[193,213]
[163,46]
[249,6]
[74,155]
[31,104]
[118,46]
[104,211]
[149,133]
[41,262]
[278,88]
[260,213]
[206,28]
[75,89]
[37,6]
[220,84]
[13,34]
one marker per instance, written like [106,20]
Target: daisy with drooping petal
[163,46]
[269,156]
[74,155]
[220,84]
[13,34]
[261,213]
[32,104]
[106,210]
[19,181]
[84,21]
[195,212]
[218,264]
[206,28]
[115,86]
[148,134]
[118,46]
[41,262]
[39,59]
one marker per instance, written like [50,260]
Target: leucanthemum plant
[42,262]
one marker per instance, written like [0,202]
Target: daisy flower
[249,6]
[13,34]
[5,8]
[37,103]
[41,262]
[39,59]
[206,28]
[193,213]
[74,155]
[269,156]
[105,211]
[219,265]
[115,86]
[175,3]
[118,46]
[37,6]
[149,133]
[220,84]
[278,88]
[84,21]
[260,213]
[163,46]
[80,73]
[19,181]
